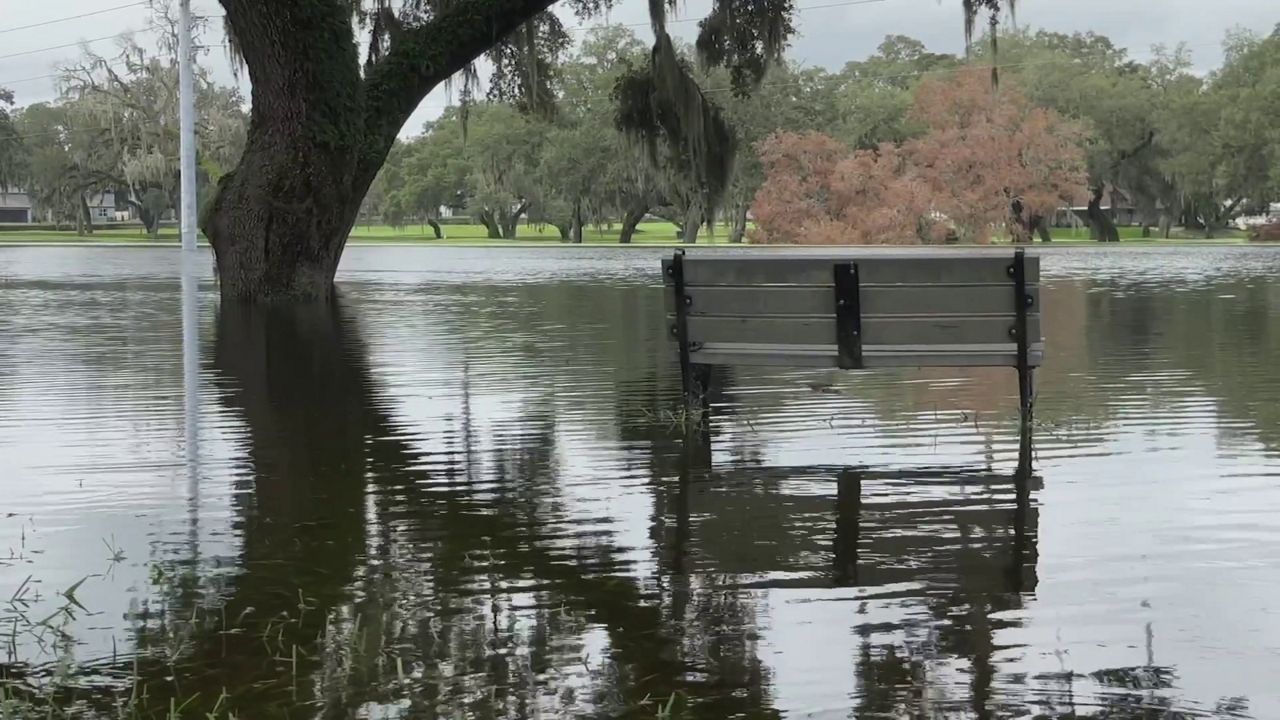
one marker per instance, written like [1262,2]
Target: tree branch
[422,57]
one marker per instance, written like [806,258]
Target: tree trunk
[739,227]
[1041,224]
[577,223]
[86,214]
[692,223]
[1100,223]
[80,214]
[490,222]
[630,220]
[1220,218]
[280,219]
[435,227]
[511,221]
[1191,217]
[150,221]
[1019,225]
[321,125]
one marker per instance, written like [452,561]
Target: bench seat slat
[826,357]
[875,300]
[874,268]
[953,330]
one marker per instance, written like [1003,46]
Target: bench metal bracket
[1022,301]
[848,316]
[694,379]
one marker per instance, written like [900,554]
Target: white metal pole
[187,127]
[189,262]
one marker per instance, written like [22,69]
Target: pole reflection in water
[190,288]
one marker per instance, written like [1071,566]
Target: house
[15,206]
[1115,203]
[1076,215]
[1272,215]
[102,206]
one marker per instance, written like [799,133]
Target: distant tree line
[114,129]
[1074,122]
[925,150]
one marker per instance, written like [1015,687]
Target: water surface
[464,492]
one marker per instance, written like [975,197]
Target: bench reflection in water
[822,526]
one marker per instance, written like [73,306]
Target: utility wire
[572,29]
[73,17]
[846,3]
[601,26]
[863,79]
[52,75]
[78,43]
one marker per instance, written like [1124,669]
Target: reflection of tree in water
[369,577]
[1226,335]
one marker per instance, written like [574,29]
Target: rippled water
[464,493]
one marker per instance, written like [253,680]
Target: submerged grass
[682,417]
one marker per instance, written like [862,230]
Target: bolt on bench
[855,310]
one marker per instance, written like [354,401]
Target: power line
[73,17]
[67,45]
[7,83]
[54,75]
[847,3]
[866,78]
[806,8]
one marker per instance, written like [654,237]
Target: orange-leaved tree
[987,161]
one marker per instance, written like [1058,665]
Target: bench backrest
[928,308]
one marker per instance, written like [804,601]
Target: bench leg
[697,416]
[848,509]
[1026,411]
[1022,541]
[697,391]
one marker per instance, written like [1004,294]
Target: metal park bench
[855,310]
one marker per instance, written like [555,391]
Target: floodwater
[465,492]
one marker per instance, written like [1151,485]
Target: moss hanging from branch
[663,109]
[972,8]
[746,37]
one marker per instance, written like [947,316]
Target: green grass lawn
[1135,234]
[650,233]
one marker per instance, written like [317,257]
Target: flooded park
[464,490]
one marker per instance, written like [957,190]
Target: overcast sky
[830,32]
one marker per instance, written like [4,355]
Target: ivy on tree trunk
[321,128]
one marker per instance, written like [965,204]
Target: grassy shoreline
[655,234]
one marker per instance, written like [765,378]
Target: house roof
[14,199]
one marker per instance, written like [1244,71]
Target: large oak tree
[324,117]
